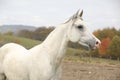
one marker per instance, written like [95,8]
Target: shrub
[114,49]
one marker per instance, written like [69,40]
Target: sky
[98,14]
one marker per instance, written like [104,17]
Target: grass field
[92,60]
[71,54]
[28,43]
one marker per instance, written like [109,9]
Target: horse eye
[80,26]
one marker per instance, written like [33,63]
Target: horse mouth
[89,46]
[86,45]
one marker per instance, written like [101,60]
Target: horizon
[54,26]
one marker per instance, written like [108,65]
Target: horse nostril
[97,42]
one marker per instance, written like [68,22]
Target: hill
[27,43]
[15,28]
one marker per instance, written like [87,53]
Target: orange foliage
[103,50]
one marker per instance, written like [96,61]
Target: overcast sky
[97,13]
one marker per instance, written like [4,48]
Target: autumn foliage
[104,48]
[110,43]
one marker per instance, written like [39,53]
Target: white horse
[43,62]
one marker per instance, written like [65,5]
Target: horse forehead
[79,18]
[79,21]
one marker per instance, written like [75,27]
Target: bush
[104,47]
[114,49]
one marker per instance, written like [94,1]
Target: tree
[39,34]
[114,48]
[104,47]
[107,32]
[42,32]
[118,32]
[26,34]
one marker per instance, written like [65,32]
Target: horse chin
[93,48]
[87,45]
[84,44]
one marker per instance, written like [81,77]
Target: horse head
[79,33]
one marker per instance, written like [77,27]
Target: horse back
[9,48]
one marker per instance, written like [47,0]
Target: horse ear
[77,13]
[81,13]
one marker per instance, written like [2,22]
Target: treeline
[110,40]
[39,34]
[110,43]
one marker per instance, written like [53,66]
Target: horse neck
[56,43]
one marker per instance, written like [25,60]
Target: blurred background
[35,19]
[28,22]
